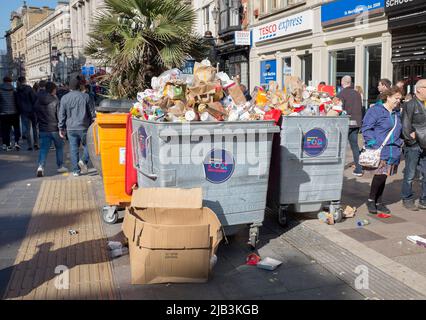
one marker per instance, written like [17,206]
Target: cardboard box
[171,236]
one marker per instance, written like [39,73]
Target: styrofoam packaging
[268,264]
[113,245]
[191,115]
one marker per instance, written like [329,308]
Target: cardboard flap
[174,237]
[129,225]
[167,198]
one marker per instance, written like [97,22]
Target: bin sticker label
[142,139]
[219,166]
[122,156]
[315,142]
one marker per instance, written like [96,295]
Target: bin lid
[119,105]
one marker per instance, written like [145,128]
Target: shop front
[407,24]
[325,43]
[282,47]
[358,44]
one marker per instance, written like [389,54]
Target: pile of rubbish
[208,95]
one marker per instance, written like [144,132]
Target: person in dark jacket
[76,114]
[62,90]
[414,133]
[26,99]
[379,121]
[47,107]
[352,104]
[9,114]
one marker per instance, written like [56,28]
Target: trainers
[4,147]
[83,167]
[422,205]
[371,206]
[36,147]
[76,174]
[9,148]
[409,205]
[382,208]
[40,172]
[62,170]
[358,174]
[17,146]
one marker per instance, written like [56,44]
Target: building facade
[407,24]
[205,21]
[4,64]
[49,48]
[20,22]
[83,13]
[320,41]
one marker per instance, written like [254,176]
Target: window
[373,64]
[206,18]
[342,64]
[286,68]
[229,17]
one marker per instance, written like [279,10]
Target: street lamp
[215,14]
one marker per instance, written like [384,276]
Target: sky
[7,6]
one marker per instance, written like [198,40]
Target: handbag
[370,158]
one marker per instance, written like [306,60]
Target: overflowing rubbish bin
[230,161]
[307,166]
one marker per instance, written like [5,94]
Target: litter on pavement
[349,212]
[268,264]
[417,240]
[252,259]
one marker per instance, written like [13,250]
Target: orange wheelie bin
[109,134]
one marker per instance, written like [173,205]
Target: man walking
[352,104]
[47,108]
[384,85]
[26,99]
[76,114]
[9,114]
[414,132]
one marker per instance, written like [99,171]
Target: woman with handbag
[381,130]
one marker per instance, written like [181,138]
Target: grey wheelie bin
[229,160]
[307,166]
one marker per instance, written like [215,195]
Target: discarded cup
[72,232]
[362,223]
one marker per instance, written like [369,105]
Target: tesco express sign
[285,26]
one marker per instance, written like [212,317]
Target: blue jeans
[76,137]
[353,141]
[29,125]
[46,139]
[415,158]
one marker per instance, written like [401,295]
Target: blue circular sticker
[219,166]
[142,140]
[315,142]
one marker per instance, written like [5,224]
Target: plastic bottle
[361,223]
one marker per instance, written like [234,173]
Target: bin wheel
[283,216]
[110,214]
[254,237]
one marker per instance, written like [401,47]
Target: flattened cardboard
[170,244]
[167,198]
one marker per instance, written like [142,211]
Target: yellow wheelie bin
[109,133]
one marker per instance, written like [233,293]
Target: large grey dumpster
[229,160]
[307,165]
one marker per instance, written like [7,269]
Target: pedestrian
[384,85]
[246,92]
[352,104]
[76,114]
[361,92]
[36,87]
[46,108]
[382,125]
[414,133]
[62,90]
[9,115]
[26,99]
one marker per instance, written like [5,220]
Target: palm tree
[139,39]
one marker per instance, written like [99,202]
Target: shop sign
[219,166]
[315,142]
[268,72]
[242,38]
[284,27]
[396,6]
[343,11]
